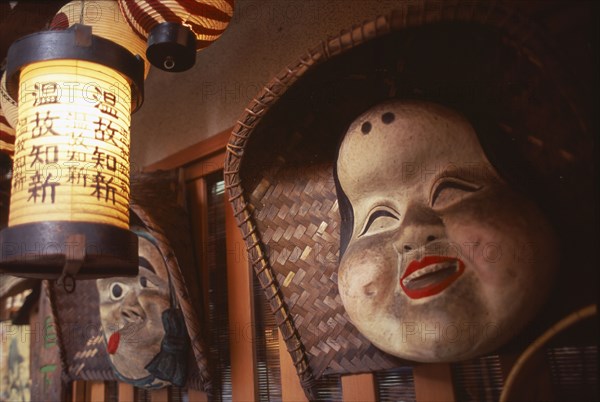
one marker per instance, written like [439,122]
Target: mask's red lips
[113,343]
[430,276]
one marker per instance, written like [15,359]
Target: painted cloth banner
[15,383]
[46,369]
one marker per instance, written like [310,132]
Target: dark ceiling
[25,18]
[572,24]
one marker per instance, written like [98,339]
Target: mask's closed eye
[447,191]
[147,283]
[380,219]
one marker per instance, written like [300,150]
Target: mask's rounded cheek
[109,317]
[368,274]
[504,237]
[153,302]
[512,255]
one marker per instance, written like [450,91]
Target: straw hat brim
[155,209]
[478,57]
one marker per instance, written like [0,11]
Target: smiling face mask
[444,261]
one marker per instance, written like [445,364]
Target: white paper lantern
[8,104]
[106,21]
[7,136]
[72,156]
[70,184]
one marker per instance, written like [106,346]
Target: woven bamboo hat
[479,58]
[156,214]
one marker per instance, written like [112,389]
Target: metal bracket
[74,258]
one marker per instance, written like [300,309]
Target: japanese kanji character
[100,185]
[105,131]
[51,154]
[36,185]
[45,94]
[43,126]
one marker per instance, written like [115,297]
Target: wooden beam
[202,149]
[96,391]
[359,388]
[160,395]
[125,392]
[197,396]
[80,391]
[433,382]
[291,390]
[205,166]
[198,205]
[240,300]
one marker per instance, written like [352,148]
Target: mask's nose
[131,310]
[420,226]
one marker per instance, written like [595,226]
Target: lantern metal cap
[171,47]
[75,43]
[46,250]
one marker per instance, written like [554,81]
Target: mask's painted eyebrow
[475,172]
[146,264]
[377,214]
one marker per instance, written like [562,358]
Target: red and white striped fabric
[207,19]
[7,136]
[8,104]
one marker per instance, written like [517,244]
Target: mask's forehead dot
[366,127]
[388,117]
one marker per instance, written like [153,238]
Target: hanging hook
[169,63]
[74,257]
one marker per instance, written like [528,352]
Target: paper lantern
[176,29]
[7,146]
[8,104]
[7,136]
[106,20]
[70,184]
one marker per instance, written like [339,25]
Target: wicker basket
[154,205]
[282,151]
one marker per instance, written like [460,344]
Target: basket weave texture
[154,205]
[297,216]
[83,352]
[281,153]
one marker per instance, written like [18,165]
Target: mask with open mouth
[443,260]
[430,275]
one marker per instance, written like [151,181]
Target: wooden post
[125,392]
[80,391]
[160,395]
[433,382]
[198,198]
[239,290]
[96,391]
[291,390]
[359,388]
[197,396]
